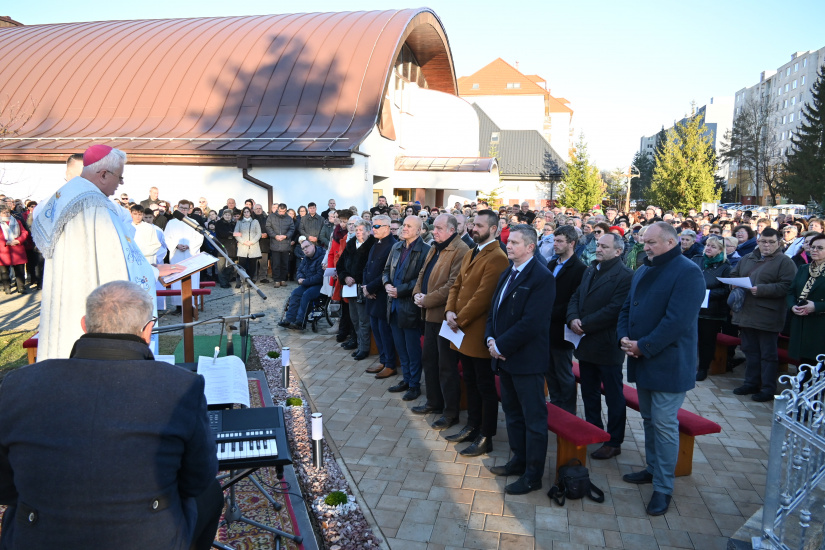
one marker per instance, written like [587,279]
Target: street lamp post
[630,175]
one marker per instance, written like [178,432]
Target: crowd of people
[528,290]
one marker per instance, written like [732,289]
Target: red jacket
[16,254]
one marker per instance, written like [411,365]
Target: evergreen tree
[640,186]
[806,161]
[685,167]
[582,186]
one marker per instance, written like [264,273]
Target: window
[494,137]
[786,87]
[791,118]
[512,85]
[804,62]
[783,136]
[794,84]
[788,72]
[793,101]
[784,119]
[795,67]
[785,104]
[803,80]
[475,86]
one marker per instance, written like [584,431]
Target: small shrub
[335,498]
[294,402]
[273,354]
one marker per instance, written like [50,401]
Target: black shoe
[425,409]
[734,362]
[745,390]
[508,470]
[606,451]
[412,394]
[762,397]
[639,478]
[295,326]
[237,285]
[482,445]
[264,281]
[658,504]
[522,486]
[283,324]
[467,433]
[701,375]
[443,423]
[341,337]
[226,286]
[398,388]
[361,355]
[350,344]
[353,354]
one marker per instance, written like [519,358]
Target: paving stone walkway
[422,495]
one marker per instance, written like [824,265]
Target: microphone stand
[246,284]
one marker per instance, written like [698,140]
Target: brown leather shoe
[606,451]
[386,373]
[375,370]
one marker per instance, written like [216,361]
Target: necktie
[513,275]
[475,253]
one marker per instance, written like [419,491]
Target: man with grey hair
[108,443]
[462,230]
[438,361]
[658,331]
[86,240]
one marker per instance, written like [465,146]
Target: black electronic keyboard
[250,438]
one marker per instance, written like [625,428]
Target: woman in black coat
[224,230]
[713,263]
[350,269]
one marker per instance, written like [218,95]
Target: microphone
[188,221]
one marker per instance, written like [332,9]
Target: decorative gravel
[343,527]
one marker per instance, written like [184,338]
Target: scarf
[814,271]
[710,262]
[11,229]
[634,254]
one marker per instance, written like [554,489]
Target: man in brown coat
[467,308]
[438,361]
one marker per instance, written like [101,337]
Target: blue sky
[626,67]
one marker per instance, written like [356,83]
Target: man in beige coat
[468,305]
[438,361]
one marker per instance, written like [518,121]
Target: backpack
[574,483]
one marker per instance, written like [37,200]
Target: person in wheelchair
[310,277]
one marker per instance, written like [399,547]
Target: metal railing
[796,463]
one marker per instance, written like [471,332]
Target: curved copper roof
[274,85]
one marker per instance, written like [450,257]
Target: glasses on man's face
[153,320]
[764,241]
[598,231]
[378,226]
[714,232]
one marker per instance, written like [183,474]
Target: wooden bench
[690,426]
[782,352]
[30,346]
[719,365]
[573,434]
[197,294]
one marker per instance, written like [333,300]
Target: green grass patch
[12,354]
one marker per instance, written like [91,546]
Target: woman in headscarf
[12,251]
[806,300]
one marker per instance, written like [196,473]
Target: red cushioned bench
[197,293]
[690,426]
[719,365]
[207,284]
[30,346]
[573,434]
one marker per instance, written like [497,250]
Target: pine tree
[583,187]
[685,168]
[806,161]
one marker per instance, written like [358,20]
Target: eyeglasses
[153,320]
[598,231]
[115,175]
[379,226]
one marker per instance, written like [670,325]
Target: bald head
[411,229]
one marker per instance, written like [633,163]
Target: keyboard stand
[233,512]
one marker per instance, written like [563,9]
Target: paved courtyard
[421,494]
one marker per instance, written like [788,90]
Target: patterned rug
[255,506]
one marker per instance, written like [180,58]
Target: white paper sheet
[454,337]
[572,337]
[349,291]
[330,272]
[191,265]
[226,380]
[743,282]
[166,359]
[707,298]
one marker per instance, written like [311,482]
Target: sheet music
[166,359]
[572,337]
[330,272]
[454,337]
[226,380]
[349,291]
[190,265]
[707,299]
[743,282]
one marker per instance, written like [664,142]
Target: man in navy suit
[109,448]
[519,343]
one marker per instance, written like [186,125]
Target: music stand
[185,278]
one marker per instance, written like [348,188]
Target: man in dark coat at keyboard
[109,448]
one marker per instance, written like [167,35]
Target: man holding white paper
[593,313]
[468,306]
[438,359]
